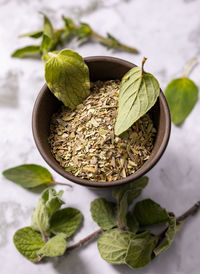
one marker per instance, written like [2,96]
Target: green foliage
[148,212]
[29,176]
[181,95]
[66,220]
[26,51]
[138,94]
[68,65]
[103,213]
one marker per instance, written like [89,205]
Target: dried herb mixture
[84,143]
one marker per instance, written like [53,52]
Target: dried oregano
[84,143]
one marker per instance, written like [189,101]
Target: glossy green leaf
[132,222]
[148,212]
[28,242]
[181,95]
[103,213]
[33,34]
[113,245]
[49,203]
[66,220]
[138,93]
[29,176]
[169,236]
[140,250]
[67,76]
[56,246]
[26,51]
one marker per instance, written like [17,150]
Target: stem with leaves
[191,211]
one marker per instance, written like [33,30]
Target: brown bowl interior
[101,68]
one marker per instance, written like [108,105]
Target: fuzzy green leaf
[113,245]
[48,28]
[28,242]
[170,234]
[49,203]
[140,250]
[132,222]
[26,51]
[33,34]
[181,95]
[138,93]
[56,246]
[103,213]
[66,220]
[67,76]
[29,176]
[148,212]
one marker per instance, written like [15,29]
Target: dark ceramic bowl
[100,68]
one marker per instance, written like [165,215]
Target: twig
[189,212]
[85,240]
[62,184]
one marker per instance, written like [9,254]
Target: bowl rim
[84,182]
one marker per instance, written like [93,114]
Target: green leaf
[28,242]
[140,250]
[84,31]
[33,34]
[170,234]
[103,213]
[47,45]
[113,245]
[69,25]
[66,220]
[132,222]
[138,93]
[29,176]
[49,203]
[148,212]
[56,246]
[67,76]
[135,188]
[112,42]
[181,95]
[125,196]
[48,28]
[26,51]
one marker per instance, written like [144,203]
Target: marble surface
[168,33]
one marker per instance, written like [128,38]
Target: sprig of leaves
[124,238]
[30,176]
[50,227]
[181,95]
[52,39]
[138,94]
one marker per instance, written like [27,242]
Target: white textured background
[168,33]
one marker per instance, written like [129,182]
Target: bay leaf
[66,220]
[29,175]
[67,76]
[148,212]
[103,213]
[181,95]
[28,242]
[138,94]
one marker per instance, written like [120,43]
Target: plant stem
[119,45]
[143,62]
[189,212]
[85,240]
[188,67]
